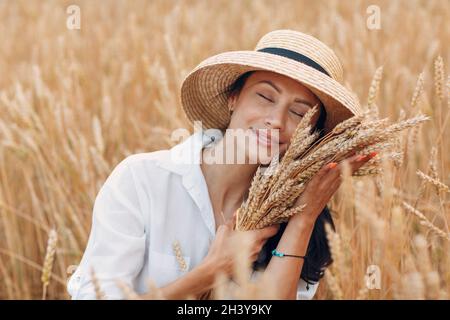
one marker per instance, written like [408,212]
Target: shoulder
[148,166]
[139,165]
[128,187]
[146,158]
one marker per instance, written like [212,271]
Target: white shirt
[149,201]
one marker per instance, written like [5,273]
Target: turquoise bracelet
[280,254]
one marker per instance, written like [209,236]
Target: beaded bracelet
[280,254]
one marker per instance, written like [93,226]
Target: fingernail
[331,165]
[373,154]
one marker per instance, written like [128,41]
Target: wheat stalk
[333,285]
[127,291]
[418,90]
[434,181]
[179,256]
[154,292]
[373,90]
[48,261]
[425,222]
[272,196]
[99,294]
[439,77]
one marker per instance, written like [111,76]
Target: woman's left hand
[323,185]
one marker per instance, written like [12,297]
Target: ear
[232,102]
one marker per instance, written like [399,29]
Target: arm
[116,245]
[219,260]
[285,272]
[194,283]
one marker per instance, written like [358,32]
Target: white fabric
[149,201]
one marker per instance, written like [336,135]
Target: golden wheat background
[73,103]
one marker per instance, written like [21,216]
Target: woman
[153,202]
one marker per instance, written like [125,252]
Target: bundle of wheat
[274,190]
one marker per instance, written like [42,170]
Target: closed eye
[267,99]
[264,97]
[297,114]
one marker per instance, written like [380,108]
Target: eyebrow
[280,91]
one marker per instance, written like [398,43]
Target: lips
[265,137]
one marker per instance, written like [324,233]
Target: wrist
[303,221]
[208,268]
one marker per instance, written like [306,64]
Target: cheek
[248,112]
[290,130]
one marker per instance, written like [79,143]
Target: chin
[260,160]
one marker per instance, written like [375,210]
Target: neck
[228,184]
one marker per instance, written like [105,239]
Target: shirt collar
[184,159]
[184,155]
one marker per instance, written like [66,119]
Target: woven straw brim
[204,96]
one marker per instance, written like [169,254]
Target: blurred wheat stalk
[73,103]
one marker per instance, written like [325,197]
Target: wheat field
[75,102]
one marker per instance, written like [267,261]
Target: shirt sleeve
[116,244]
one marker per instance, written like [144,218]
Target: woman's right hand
[323,185]
[222,252]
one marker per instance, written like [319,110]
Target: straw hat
[287,52]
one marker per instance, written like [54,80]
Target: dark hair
[318,252]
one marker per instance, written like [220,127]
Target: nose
[276,119]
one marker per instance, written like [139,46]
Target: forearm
[284,273]
[194,283]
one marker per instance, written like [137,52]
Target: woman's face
[274,102]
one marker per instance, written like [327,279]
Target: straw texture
[203,91]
